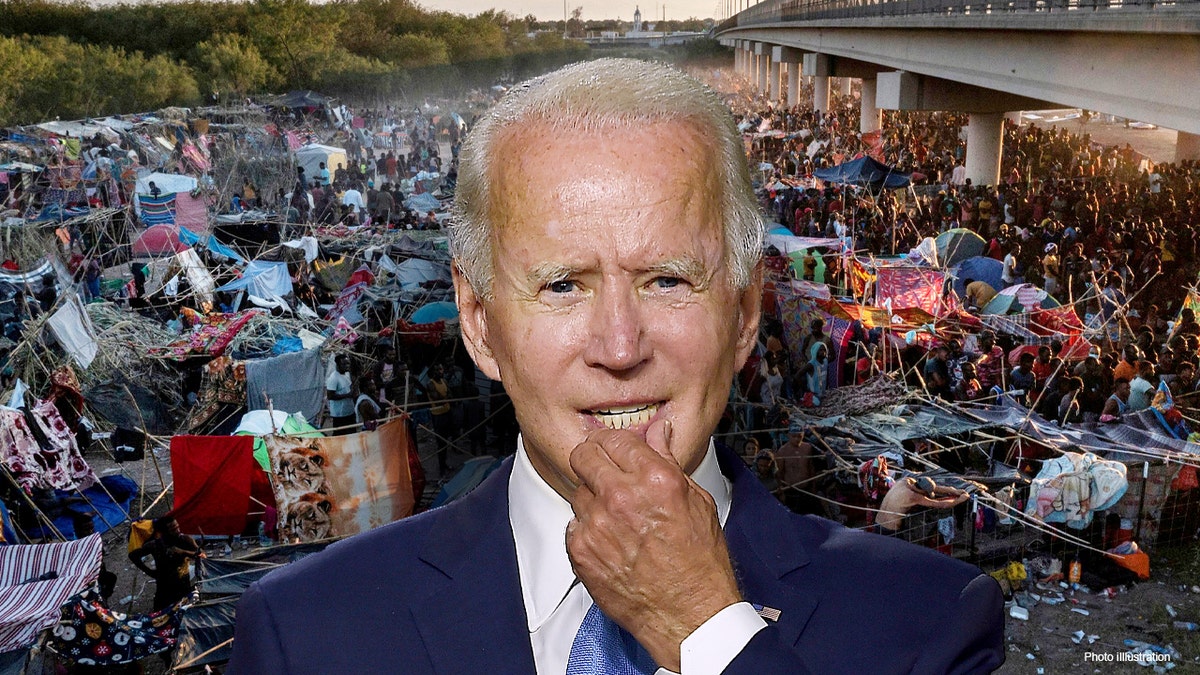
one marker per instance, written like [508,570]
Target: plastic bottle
[1186,625]
[1074,571]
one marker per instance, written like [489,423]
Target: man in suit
[606,270]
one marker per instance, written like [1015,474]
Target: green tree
[231,63]
[297,38]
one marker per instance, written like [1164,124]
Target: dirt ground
[1138,614]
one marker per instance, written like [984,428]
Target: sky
[550,10]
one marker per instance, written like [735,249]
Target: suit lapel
[768,558]
[473,618]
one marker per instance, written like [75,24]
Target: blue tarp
[106,513]
[864,171]
[207,241]
[10,535]
[263,279]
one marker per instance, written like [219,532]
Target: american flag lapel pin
[768,613]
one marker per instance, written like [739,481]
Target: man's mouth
[625,417]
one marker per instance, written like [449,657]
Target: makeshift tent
[95,636]
[414,272]
[422,203]
[166,183]
[1019,299]
[158,210]
[310,156]
[191,212]
[159,240]
[901,287]
[302,98]
[190,238]
[106,505]
[263,278]
[342,485]
[198,276]
[215,479]
[260,423]
[293,383]
[956,245]
[208,626]
[73,330]
[864,171]
[36,580]
[979,268]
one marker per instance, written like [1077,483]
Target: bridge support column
[792,58]
[763,62]
[846,83]
[985,133]
[793,84]
[773,81]
[817,65]
[872,117]
[821,94]
[1187,146]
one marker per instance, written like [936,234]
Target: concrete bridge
[1139,60]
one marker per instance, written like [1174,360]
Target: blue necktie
[602,647]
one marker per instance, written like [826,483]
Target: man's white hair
[604,94]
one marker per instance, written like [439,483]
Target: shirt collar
[538,516]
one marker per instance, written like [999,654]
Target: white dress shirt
[555,602]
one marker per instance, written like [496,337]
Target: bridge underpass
[1141,62]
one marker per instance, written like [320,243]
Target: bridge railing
[774,11]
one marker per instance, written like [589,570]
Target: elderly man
[606,269]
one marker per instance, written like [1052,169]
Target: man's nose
[617,339]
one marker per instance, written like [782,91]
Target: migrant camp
[229,339]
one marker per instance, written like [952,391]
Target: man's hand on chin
[646,541]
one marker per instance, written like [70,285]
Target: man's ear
[473,321]
[749,314]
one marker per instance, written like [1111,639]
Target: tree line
[73,60]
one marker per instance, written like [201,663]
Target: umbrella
[958,244]
[1019,299]
[434,312]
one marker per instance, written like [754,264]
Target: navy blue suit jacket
[440,593]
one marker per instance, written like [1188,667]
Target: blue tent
[864,171]
[979,268]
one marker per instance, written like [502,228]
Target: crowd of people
[1101,229]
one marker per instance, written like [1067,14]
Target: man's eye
[668,282]
[564,286]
